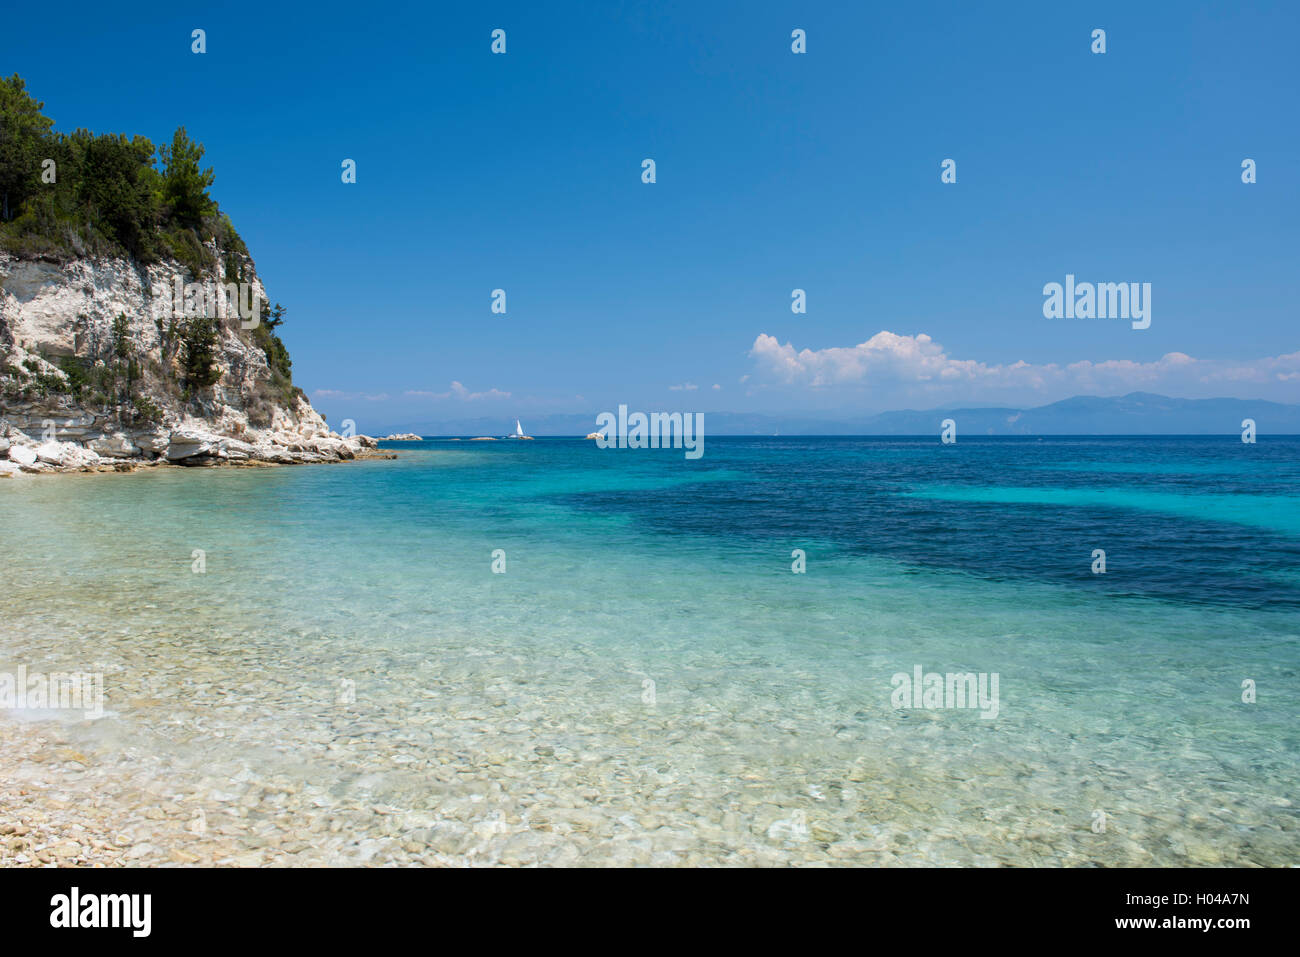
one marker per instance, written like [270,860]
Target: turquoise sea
[647,680]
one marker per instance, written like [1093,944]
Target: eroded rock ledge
[36,438]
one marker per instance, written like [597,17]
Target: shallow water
[648,681]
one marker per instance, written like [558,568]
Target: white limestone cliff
[53,314]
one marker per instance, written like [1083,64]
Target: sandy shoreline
[61,807]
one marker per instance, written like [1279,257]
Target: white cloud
[684,387]
[350,396]
[459,392]
[916,368]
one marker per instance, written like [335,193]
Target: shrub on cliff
[198,354]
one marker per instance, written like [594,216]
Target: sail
[519,429]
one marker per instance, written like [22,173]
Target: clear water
[649,682]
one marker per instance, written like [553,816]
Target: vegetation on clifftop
[65,195]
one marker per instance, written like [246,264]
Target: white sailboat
[519,432]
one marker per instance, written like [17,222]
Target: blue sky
[775,171]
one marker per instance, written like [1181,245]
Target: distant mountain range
[1138,413]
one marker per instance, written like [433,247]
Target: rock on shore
[192,442]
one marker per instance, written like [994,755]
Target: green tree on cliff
[184,184]
[23,130]
[199,354]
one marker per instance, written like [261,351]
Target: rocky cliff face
[94,355]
